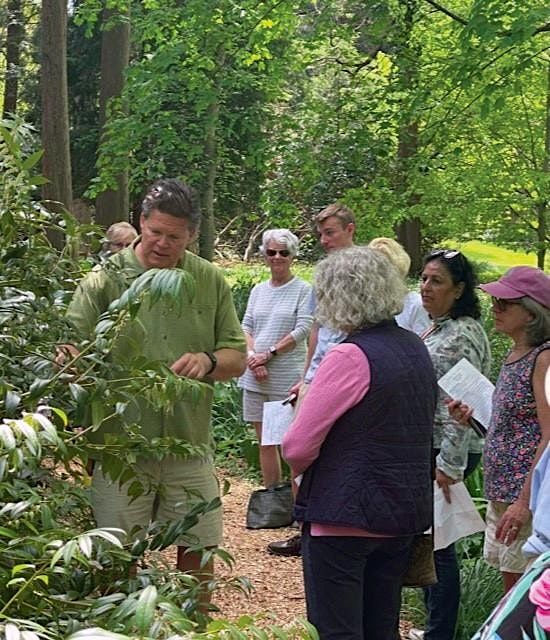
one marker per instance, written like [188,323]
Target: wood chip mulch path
[277,586]
[276,582]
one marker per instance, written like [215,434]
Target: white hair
[281,236]
[357,287]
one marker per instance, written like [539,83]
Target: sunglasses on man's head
[273,252]
[501,304]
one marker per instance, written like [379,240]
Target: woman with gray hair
[276,324]
[360,448]
[519,430]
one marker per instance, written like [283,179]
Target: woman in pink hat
[520,423]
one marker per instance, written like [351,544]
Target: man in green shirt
[201,339]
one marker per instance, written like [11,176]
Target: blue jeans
[443,599]
[353,585]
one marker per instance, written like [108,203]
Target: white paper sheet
[456,520]
[464,382]
[277,419]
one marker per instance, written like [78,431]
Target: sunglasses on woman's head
[273,252]
[501,304]
[447,254]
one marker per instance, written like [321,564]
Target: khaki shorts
[253,404]
[173,487]
[505,558]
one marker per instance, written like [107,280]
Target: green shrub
[236,442]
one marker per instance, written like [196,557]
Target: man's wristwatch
[213,361]
[273,350]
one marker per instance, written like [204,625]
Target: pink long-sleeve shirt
[341,381]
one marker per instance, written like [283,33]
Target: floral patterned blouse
[448,341]
[514,432]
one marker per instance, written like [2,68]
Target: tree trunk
[543,209]
[56,164]
[408,231]
[112,205]
[207,234]
[206,239]
[14,37]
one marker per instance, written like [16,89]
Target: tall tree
[56,163]
[201,76]
[408,230]
[14,37]
[112,204]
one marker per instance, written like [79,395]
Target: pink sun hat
[518,282]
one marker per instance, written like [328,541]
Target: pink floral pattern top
[514,432]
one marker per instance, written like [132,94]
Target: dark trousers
[353,585]
[443,599]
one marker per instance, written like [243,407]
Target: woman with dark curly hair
[449,295]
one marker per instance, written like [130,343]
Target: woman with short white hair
[276,324]
[361,443]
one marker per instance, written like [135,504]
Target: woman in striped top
[276,324]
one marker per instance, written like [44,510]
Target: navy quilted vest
[374,470]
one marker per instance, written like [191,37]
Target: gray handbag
[270,508]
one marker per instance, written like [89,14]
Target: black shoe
[290,547]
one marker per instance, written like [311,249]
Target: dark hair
[461,270]
[173,197]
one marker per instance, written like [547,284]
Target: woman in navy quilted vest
[360,448]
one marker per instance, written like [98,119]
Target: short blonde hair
[357,287]
[394,251]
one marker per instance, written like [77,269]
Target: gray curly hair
[537,329]
[357,287]
[281,236]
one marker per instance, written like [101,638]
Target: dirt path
[277,582]
[277,585]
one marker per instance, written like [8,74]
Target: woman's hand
[259,359]
[444,482]
[260,373]
[511,522]
[459,411]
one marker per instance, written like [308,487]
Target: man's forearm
[231,364]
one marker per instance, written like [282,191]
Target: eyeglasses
[501,304]
[273,252]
